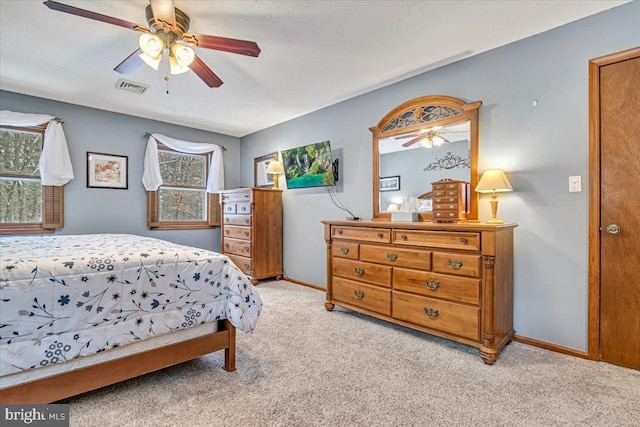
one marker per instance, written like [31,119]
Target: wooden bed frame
[89,378]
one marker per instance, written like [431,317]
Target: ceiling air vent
[131,86]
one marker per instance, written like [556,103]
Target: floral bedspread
[63,297]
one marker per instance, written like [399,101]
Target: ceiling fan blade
[205,73]
[164,10]
[54,5]
[242,47]
[413,141]
[132,63]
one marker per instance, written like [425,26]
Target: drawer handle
[246,233]
[244,208]
[392,256]
[380,235]
[226,245]
[432,285]
[338,231]
[403,236]
[359,294]
[226,220]
[463,240]
[246,266]
[246,220]
[226,231]
[454,264]
[359,271]
[229,208]
[246,248]
[431,313]
[344,250]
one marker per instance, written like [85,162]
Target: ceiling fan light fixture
[151,62]
[426,142]
[437,140]
[184,55]
[176,67]
[151,45]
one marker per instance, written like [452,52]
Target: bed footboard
[72,383]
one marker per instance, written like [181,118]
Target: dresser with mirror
[449,279]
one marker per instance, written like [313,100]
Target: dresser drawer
[380,235]
[237,232]
[395,256]
[457,263]
[238,247]
[243,208]
[362,271]
[243,263]
[365,296]
[345,249]
[229,208]
[237,219]
[457,319]
[447,206]
[445,215]
[237,196]
[429,284]
[438,239]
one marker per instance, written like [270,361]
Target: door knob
[613,229]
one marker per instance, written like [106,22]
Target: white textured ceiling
[314,53]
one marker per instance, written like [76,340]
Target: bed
[81,312]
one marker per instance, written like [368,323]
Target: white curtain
[151,178]
[55,163]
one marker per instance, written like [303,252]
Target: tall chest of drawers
[252,231]
[450,280]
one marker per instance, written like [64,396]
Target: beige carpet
[304,366]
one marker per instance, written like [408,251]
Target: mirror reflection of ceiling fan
[168,34]
[428,137]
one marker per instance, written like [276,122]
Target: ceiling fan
[168,31]
[428,137]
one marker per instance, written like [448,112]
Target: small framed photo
[389,183]
[107,171]
[261,178]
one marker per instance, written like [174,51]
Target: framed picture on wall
[107,171]
[389,183]
[261,178]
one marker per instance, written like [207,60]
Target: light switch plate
[575,184]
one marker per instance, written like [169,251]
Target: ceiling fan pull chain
[166,76]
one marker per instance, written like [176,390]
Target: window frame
[212,200]
[52,214]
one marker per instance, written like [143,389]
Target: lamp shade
[275,167]
[493,181]
[151,44]
[184,54]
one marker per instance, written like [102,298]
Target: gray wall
[538,147]
[99,210]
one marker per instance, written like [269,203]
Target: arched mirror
[419,142]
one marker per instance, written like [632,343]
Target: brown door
[620,212]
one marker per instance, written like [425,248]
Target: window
[25,205]
[182,201]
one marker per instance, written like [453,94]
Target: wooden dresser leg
[230,352]
[328,306]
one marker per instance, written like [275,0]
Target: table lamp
[275,168]
[493,181]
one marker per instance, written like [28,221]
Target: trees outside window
[25,205]
[182,202]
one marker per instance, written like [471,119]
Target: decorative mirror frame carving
[421,113]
